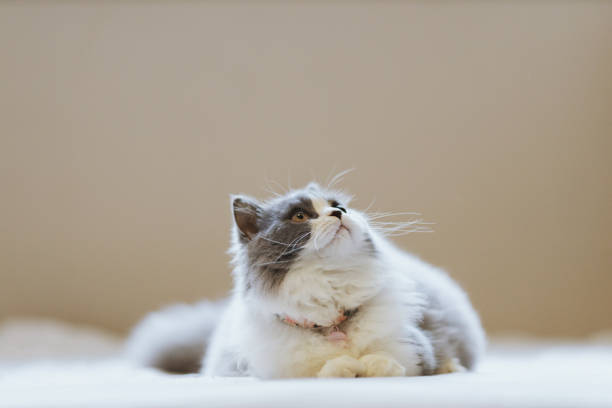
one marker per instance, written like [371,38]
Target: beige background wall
[125,125]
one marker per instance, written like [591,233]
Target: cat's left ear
[247,215]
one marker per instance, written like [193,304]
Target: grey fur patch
[174,338]
[452,334]
[184,360]
[273,250]
[269,242]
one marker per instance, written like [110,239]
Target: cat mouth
[340,229]
[334,235]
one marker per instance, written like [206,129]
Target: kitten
[318,293]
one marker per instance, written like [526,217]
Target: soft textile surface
[43,364]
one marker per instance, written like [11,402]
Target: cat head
[312,225]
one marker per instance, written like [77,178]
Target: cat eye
[299,216]
[337,205]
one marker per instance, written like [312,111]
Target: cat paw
[451,365]
[343,366]
[382,365]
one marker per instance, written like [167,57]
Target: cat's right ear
[247,215]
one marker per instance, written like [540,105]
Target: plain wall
[126,125]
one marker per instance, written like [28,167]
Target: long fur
[174,338]
[412,318]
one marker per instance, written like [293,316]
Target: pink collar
[332,332]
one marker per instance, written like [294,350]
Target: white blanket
[46,364]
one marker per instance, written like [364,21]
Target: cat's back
[448,315]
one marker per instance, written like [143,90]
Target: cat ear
[247,213]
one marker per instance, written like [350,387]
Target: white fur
[412,318]
[332,274]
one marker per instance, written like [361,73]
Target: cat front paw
[382,365]
[452,365]
[343,366]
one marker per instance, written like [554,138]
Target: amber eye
[299,216]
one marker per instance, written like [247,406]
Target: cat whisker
[270,191]
[369,206]
[289,180]
[395,223]
[283,189]
[338,177]
[375,216]
[276,242]
[330,175]
[293,243]
[290,251]
[402,230]
[396,228]
[271,263]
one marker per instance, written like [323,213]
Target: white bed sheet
[46,364]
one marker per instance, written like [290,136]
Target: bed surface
[48,364]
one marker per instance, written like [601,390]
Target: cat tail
[174,338]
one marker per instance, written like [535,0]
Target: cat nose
[336,213]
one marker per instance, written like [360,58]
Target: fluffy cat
[318,293]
